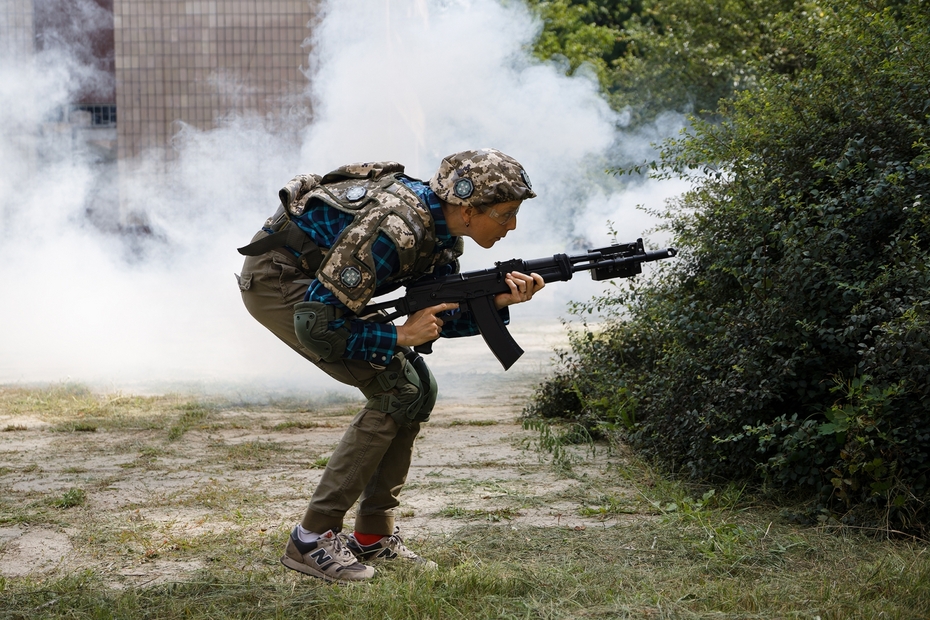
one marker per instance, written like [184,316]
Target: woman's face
[490,226]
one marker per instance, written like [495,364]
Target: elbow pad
[311,325]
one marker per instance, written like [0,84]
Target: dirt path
[140,500]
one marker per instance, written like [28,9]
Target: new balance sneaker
[388,548]
[326,558]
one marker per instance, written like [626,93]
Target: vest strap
[309,254]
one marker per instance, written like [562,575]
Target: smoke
[409,81]
[79,29]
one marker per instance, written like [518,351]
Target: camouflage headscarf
[480,179]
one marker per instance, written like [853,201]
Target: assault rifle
[475,290]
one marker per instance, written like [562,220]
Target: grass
[76,405]
[494,515]
[192,416]
[662,569]
[301,425]
[208,544]
[473,423]
[320,463]
[71,498]
[255,454]
[34,508]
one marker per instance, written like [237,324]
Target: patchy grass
[320,463]
[192,416]
[255,454]
[16,509]
[473,423]
[205,542]
[223,498]
[75,427]
[472,514]
[70,498]
[146,456]
[662,569]
[302,425]
[76,405]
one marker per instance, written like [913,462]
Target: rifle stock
[474,291]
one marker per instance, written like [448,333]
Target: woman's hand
[422,326]
[522,288]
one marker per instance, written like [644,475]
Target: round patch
[351,277]
[526,179]
[463,188]
[356,192]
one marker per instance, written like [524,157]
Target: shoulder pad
[294,195]
[348,270]
[367,170]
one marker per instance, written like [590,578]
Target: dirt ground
[144,504]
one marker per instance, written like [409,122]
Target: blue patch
[463,188]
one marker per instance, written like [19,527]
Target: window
[102,114]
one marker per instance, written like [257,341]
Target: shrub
[788,343]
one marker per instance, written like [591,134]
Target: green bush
[788,342]
[653,56]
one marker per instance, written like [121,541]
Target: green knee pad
[406,390]
[311,325]
[429,381]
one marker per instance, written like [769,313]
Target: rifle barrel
[601,261]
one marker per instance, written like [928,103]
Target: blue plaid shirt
[377,342]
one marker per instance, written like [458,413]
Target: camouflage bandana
[480,179]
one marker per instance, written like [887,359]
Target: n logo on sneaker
[321,556]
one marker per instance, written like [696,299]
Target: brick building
[163,61]
[199,61]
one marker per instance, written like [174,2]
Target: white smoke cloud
[409,81]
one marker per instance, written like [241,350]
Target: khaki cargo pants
[372,459]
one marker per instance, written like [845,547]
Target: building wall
[197,61]
[18,141]
[17,31]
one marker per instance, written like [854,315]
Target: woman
[337,241]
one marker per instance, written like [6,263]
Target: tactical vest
[379,203]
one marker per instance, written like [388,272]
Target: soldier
[336,242]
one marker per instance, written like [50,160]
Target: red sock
[368,539]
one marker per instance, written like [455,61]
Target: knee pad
[311,325]
[430,387]
[406,390]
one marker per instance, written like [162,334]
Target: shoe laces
[339,547]
[396,543]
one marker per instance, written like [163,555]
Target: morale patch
[463,188]
[356,192]
[351,277]
[526,179]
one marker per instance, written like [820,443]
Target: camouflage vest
[379,203]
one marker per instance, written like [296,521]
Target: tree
[678,55]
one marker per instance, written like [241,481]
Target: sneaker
[326,558]
[388,548]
